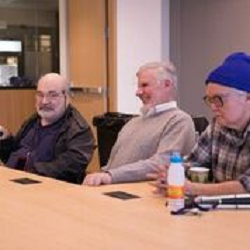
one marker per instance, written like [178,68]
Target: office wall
[142,36]
[15,107]
[202,34]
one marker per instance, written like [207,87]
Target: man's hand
[161,184]
[97,179]
[160,178]
[4,133]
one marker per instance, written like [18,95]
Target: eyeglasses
[50,96]
[219,100]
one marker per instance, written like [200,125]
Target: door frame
[111,31]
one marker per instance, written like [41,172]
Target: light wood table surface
[56,215]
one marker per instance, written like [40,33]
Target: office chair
[108,126]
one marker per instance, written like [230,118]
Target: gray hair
[55,76]
[165,71]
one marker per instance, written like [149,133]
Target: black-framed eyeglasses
[219,100]
[50,96]
[216,100]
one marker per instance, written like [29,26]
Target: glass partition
[29,41]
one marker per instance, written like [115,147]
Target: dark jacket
[72,152]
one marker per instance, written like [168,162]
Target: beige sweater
[143,143]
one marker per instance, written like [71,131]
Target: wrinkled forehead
[218,89]
[52,83]
[147,76]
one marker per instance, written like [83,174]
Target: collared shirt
[158,108]
[225,152]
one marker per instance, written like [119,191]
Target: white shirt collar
[159,108]
[165,106]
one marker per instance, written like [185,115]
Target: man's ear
[166,83]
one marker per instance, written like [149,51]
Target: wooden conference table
[56,215]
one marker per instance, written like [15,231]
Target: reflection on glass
[10,46]
[29,42]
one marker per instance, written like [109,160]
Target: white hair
[165,71]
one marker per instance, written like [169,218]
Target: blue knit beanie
[234,72]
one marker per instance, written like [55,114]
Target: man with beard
[145,141]
[56,141]
[224,147]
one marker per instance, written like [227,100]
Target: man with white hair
[146,140]
[56,141]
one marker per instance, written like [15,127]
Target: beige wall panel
[15,107]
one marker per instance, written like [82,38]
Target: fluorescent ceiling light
[10,46]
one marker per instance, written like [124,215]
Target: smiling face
[230,107]
[151,90]
[51,98]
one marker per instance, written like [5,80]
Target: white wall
[142,36]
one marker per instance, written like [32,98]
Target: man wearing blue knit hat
[224,147]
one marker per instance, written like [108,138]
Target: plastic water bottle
[176,181]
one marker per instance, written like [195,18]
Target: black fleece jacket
[73,148]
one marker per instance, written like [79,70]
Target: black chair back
[108,126]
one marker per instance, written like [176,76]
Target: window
[29,41]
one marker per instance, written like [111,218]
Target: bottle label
[175,192]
